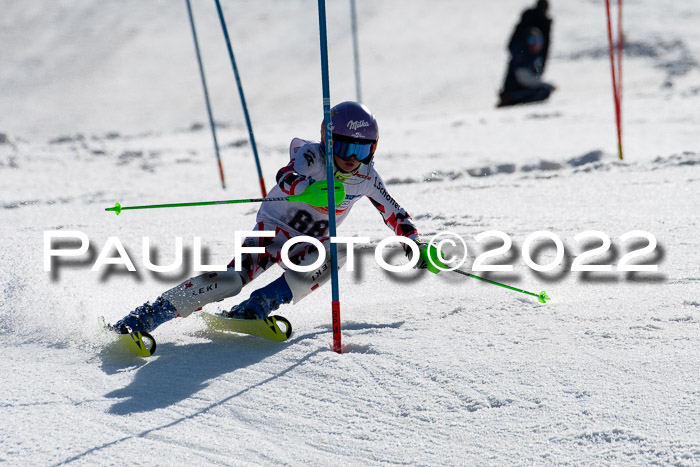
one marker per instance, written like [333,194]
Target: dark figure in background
[523,83]
[532,18]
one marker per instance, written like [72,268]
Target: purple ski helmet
[355,131]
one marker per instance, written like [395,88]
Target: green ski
[267,328]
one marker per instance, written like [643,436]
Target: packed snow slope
[101,102]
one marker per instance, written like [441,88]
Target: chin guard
[343,176]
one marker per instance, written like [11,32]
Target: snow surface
[101,102]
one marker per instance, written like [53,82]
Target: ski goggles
[346,149]
[535,40]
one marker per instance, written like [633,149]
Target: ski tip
[139,343]
[543,297]
[287,325]
[267,328]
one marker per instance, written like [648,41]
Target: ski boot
[147,317]
[263,301]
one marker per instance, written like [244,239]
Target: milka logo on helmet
[353,125]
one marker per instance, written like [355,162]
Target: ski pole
[542,296]
[315,194]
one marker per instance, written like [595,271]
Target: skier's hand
[429,257]
[422,258]
[316,194]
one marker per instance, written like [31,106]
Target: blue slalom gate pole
[206,95]
[240,93]
[335,304]
[355,49]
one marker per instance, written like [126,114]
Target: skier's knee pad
[303,283]
[205,288]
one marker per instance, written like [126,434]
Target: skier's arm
[400,222]
[546,31]
[395,217]
[298,174]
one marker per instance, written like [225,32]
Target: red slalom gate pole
[620,46]
[335,310]
[202,76]
[616,85]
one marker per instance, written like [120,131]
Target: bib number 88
[304,222]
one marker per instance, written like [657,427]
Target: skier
[355,136]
